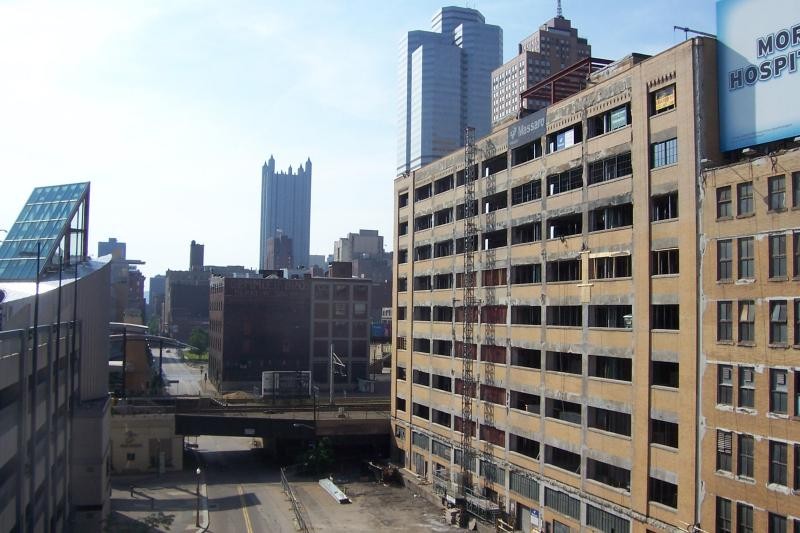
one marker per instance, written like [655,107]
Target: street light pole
[197,491]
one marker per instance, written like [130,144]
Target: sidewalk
[168,501]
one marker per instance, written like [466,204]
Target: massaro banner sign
[759,71]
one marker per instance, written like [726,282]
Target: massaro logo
[777,56]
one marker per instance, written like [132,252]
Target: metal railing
[293,499]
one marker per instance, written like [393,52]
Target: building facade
[444,84]
[553,47]
[750,348]
[584,414]
[283,324]
[286,208]
[196,254]
[279,253]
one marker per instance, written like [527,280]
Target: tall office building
[553,47]
[444,84]
[286,208]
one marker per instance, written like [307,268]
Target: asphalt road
[189,380]
[244,491]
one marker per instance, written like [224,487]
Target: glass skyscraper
[445,84]
[286,209]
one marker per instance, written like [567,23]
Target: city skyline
[166,109]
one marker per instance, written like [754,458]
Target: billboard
[527,129]
[758,60]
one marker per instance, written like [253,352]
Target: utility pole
[330,380]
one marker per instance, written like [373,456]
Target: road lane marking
[247,523]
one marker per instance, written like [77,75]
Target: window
[461,209]
[566,270]
[401,312]
[420,378]
[747,387]
[423,192]
[610,217]
[778,391]
[724,321]
[564,315]
[610,316]
[724,385]
[605,367]
[443,184]
[664,262]
[494,239]
[565,181]
[664,153]
[530,403]
[564,459]
[402,228]
[565,138]
[442,281]
[526,357]
[422,283]
[609,267]
[797,323]
[665,374]
[421,253]
[441,347]
[422,345]
[562,410]
[744,194]
[744,466]
[776,190]
[526,192]
[664,207]
[530,315]
[778,461]
[402,200]
[797,471]
[530,232]
[423,222]
[564,362]
[493,314]
[442,314]
[613,476]
[663,492]
[724,202]
[422,411]
[777,256]
[662,100]
[400,403]
[664,433]
[665,316]
[402,284]
[443,248]
[724,259]
[746,257]
[744,518]
[747,321]
[796,189]
[610,168]
[523,485]
[402,256]
[796,247]
[401,345]
[776,523]
[609,121]
[611,421]
[528,273]
[778,322]
[495,202]
[564,226]
[724,451]
[724,523]
[562,502]
[443,216]
[422,313]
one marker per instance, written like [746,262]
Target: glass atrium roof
[53,217]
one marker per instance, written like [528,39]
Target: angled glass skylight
[54,221]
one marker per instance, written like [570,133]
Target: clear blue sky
[171,108]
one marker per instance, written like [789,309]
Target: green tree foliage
[199,340]
[319,458]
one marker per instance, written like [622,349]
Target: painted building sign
[758,62]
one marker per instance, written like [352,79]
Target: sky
[170,109]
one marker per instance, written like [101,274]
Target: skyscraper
[553,47]
[286,206]
[445,84]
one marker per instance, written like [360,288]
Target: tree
[319,458]
[199,340]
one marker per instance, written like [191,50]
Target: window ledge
[618,178]
[662,113]
[673,331]
[776,211]
[609,132]
[726,343]
[612,380]
[664,167]
[725,474]
[623,492]
[745,479]
[602,328]
[622,278]
[726,281]
[778,416]
[664,220]
[526,284]
[721,219]
[778,278]
[746,344]
[664,387]
[520,454]
[659,276]
[664,447]
[609,433]
[663,506]
[778,345]
[746,411]
[746,215]
[606,230]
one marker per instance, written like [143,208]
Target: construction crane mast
[470,304]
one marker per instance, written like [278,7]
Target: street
[244,491]
[189,379]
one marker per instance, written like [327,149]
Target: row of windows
[662,374]
[746,385]
[780,468]
[662,316]
[746,257]
[745,320]
[776,199]
[744,519]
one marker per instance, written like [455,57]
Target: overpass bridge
[357,424]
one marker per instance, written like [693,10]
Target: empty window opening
[665,374]
[564,315]
[610,316]
[530,232]
[609,121]
[610,168]
[664,206]
[610,217]
[526,192]
[609,267]
[564,226]
[528,273]
[526,357]
[567,180]
[618,368]
[564,362]
[443,184]
[564,270]
[664,262]
[529,315]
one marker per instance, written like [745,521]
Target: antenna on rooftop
[559,12]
